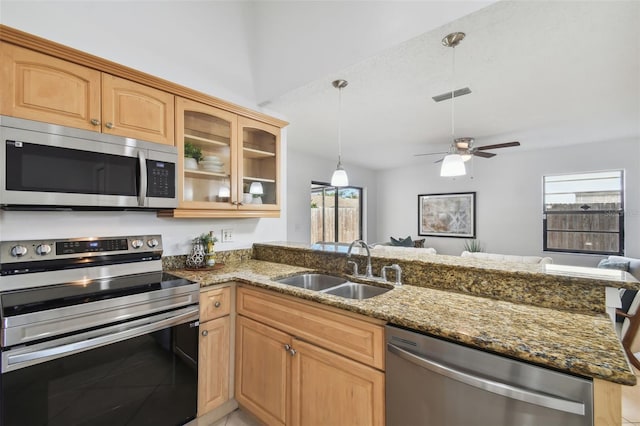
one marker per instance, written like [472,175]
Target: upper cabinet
[43,88]
[230,164]
[237,170]
[138,111]
[259,167]
[40,87]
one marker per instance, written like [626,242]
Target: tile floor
[631,403]
[237,418]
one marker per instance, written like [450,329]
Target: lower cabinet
[213,349]
[283,380]
[262,370]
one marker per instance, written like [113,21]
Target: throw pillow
[404,242]
[610,264]
[419,243]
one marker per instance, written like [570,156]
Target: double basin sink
[336,286]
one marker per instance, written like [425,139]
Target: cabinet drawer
[214,304]
[345,334]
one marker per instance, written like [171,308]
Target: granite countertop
[582,344]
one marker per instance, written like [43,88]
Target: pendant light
[453,163]
[339,177]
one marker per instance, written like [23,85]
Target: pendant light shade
[453,165]
[339,177]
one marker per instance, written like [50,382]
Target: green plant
[190,150]
[207,238]
[473,246]
[314,205]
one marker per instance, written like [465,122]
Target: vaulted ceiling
[545,73]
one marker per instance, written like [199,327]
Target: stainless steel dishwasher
[435,382]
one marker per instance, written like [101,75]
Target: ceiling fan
[465,148]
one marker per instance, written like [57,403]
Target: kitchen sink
[358,291]
[313,281]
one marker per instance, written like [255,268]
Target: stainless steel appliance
[93,332]
[51,167]
[435,382]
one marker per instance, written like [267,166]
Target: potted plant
[208,241]
[473,246]
[192,154]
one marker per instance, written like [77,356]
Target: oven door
[142,372]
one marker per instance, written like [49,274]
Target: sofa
[507,257]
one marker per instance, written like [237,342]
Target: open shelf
[257,153]
[204,174]
[257,179]
[198,140]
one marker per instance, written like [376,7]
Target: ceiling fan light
[452,165]
[339,177]
[466,157]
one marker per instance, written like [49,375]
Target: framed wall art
[447,215]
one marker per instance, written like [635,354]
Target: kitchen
[176,233]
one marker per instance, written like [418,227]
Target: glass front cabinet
[229,164]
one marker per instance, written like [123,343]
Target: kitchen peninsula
[555,318]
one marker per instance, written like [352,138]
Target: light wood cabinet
[236,152]
[43,88]
[40,87]
[285,374]
[137,111]
[262,370]
[329,389]
[214,350]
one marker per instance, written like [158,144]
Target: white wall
[198,44]
[302,169]
[156,38]
[508,197]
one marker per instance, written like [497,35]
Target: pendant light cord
[453,89]
[339,124]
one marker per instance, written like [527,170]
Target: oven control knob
[152,243]
[43,249]
[136,244]
[18,251]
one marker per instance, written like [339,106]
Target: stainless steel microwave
[48,166]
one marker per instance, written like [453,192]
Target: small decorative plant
[208,238]
[192,151]
[473,246]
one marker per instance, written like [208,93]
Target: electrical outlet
[227,235]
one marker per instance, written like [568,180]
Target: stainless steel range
[93,332]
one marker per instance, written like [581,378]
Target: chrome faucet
[396,268]
[368,272]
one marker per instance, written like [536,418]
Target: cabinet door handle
[95,121]
[205,332]
[217,304]
[109,125]
[292,351]
[287,347]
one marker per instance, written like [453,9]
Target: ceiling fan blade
[430,153]
[498,145]
[439,161]
[484,154]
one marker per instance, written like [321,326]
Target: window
[336,213]
[584,213]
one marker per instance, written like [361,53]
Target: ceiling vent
[445,96]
